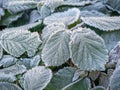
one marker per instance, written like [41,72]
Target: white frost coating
[88,50]
[17,6]
[103,23]
[17,42]
[14,70]
[66,17]
[37,78]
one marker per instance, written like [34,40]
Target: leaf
[61,78]
[92,13]
[103,23]
[18,6]
[7,77]
[23,27]
[114,5]
[37,78]
[7,61]
[66,17]
[8,18]
[34,16]
[49,29]
[30,62]
[17,42]
[76,2]
[9,86]
[114,80]
[111,38]
[47,7]
[83,84]
[35,61]
[98,88]
[1,51]
[88,50]
[114,54]
[2,13]
[56,50]
[14,70]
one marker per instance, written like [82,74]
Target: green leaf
[83,84]
[18,6]
[66,17]
[7,77]
[98,88]
[9,86]
[103,23]
[111,38]
[17,42]
[114,5]
[7,61]
[61,78]
[114,80]
[56,50]
[14,70]
[37,78]
[88,50]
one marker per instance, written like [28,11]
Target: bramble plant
[59,44]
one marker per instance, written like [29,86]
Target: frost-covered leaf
[56,50]
[88,50]
[34,16]
[35,61]
[115,80]
[103,23]
[8,18]
[24,27]
[62,78]
[113,5]
[114,54]
[48,7]
[92,13]
[37,78]
[7,61]
[66,17]
[30,62]
[98,88]
[9,86]
[14,70]
[18,6]
[49,29]
[1,51]
[1,12]
[7,77]
[17,42]
[77,2]
[83,84]
[111,38]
